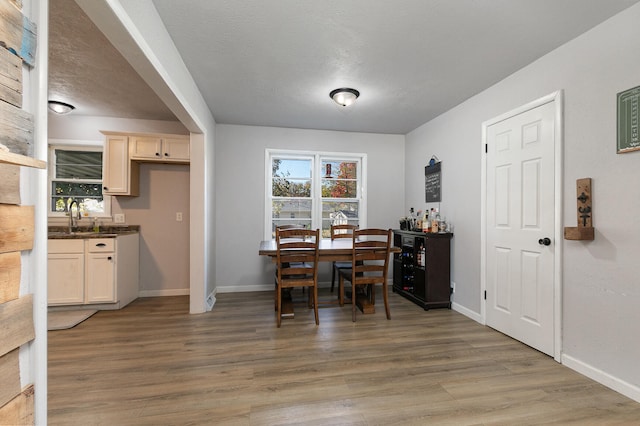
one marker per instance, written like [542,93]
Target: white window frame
[316,178]
[74,145]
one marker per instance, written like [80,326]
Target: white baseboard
[606,379]
[165,292]
[245,288]
[467,312]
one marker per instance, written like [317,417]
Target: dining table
[338,250]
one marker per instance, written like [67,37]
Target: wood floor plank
[153,363]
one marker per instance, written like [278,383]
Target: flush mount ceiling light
[60,107]
[344,96]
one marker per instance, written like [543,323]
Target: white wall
[601,290]
[33,191]
[240,177]
[136,30]
[164,242]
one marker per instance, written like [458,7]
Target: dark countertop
[82,232]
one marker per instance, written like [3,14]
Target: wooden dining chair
[291,226]
[369,266]
[340,231]
[297,265]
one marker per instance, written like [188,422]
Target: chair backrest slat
[342,231]
[297,253]
[370,255]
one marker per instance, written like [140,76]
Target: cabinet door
[146,148]
[100,284]
[176,149]
[438,271]
[65,276]
[115,173]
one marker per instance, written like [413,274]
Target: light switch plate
[118,218]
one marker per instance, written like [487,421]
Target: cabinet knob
[104,188]
[157,154]
[166,154]
[109,258]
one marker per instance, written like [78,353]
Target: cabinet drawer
[65,246]
[100,245]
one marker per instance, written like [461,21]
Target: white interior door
[520,226]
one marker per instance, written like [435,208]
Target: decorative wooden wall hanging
[16,130]
[17,32]
[17,223]
[10,188]
[584,230]
[10,78]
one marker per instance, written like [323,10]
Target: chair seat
[346,272]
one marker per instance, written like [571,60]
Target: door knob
[544,241]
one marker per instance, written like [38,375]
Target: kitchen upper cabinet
[118,175]
[123,153]
[162,149]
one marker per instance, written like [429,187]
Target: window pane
[335,169]
[78,164]
[88,195]
[339,189]
[291,209]
[291,177]
[339,213]
[339,179]
[294,168]
[290,212]
[291,187]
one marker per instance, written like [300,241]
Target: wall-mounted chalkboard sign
[628,114]
[433,183]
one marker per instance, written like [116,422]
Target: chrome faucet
[72,224]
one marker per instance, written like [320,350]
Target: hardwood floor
[152,363]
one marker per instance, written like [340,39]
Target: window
[314,189]
[76,174]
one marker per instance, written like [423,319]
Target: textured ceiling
[274,62]
[86,71]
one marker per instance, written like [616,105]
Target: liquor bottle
[425,221]
[434,220]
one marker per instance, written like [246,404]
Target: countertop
[82,232]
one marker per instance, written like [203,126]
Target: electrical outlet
[179,217]
[118,218]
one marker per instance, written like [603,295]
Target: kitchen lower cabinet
[66,272]
[100,262]
[93,271]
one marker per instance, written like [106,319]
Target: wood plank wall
[10,78]
[17,46]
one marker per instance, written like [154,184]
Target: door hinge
[485,295]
